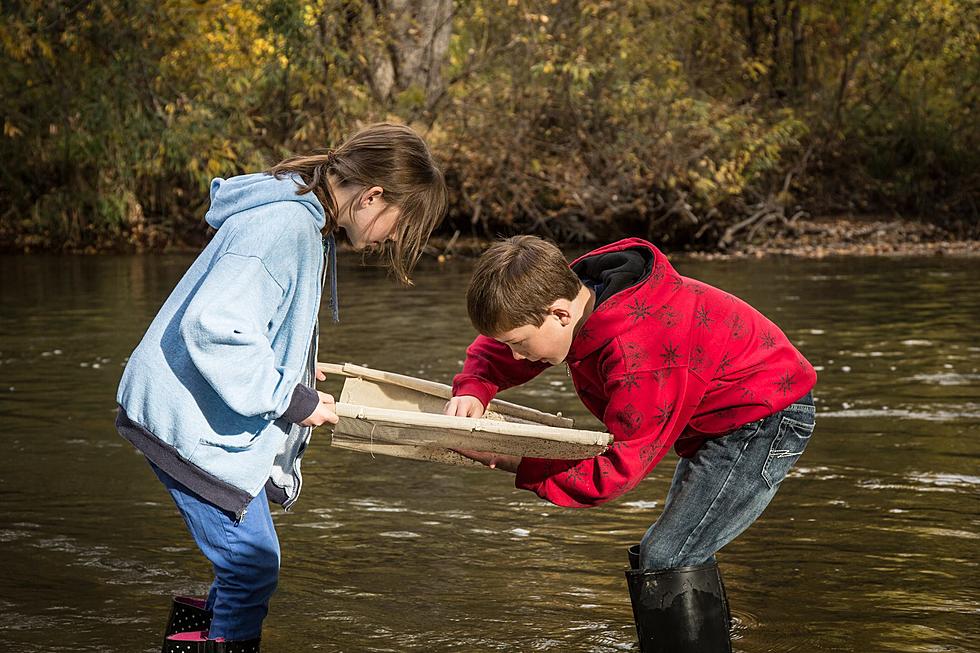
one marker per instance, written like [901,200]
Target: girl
[219,394]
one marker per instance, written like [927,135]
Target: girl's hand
[464,406]
[321,373]
[324,413]
[492,460]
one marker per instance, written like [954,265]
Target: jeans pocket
[791,440]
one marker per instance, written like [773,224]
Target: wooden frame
[397,415]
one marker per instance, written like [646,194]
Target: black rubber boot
[197,642]
[186,614]
[634,555]
[681,610]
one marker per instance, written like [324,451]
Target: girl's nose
[516,355]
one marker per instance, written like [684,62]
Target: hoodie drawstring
[330,249]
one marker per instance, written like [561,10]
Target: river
[871,544]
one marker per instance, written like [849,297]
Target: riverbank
[845,236]
[806,238]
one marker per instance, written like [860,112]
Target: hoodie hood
[237,194]
[632,279]
[610,273]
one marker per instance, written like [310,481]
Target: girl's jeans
[725,486]
[244,554]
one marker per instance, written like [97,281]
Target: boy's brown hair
[515,282]
[387,155]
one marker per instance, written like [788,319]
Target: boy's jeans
[245,557]
[719,492]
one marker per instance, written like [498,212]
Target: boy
[662,360]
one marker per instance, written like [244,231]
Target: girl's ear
[371,195]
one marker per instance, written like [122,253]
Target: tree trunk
[751,27]
[799,63]
[776,28]
[415,43]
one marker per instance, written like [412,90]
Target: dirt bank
[844,236]
[808,238]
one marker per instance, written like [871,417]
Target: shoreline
[813,238]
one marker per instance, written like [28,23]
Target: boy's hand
[324,413]
[464,406]
[492,460]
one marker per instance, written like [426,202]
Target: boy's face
[548,343]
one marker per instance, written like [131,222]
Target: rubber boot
[680,610]
[198,642]
[187,614]
[634,555]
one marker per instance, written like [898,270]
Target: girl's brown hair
[393,157]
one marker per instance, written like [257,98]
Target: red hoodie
[663,360]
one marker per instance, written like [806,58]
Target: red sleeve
[645,414]
[489,368]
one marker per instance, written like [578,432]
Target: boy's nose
[516,355]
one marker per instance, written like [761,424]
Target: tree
[408,54]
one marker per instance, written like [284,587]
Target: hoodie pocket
[231,443]
[791,440]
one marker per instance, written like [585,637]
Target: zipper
[310,380]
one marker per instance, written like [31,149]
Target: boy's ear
[562,310]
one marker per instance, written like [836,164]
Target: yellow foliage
[214,167]
[10,130]
[754,69]
[632,98]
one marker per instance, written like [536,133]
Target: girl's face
[372,221]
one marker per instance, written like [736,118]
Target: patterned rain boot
[680,610]
[198,642]
[187,614]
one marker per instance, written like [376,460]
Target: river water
[871,544]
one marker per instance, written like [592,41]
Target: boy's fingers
[456,408]
[464,406]
[484,457]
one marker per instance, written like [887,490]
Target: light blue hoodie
[203,392]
